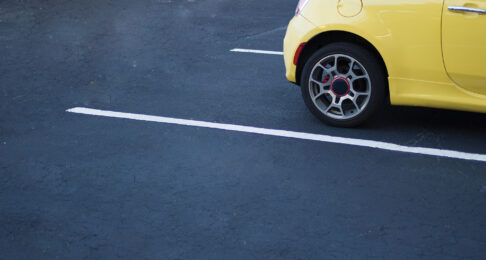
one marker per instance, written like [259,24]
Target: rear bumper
[297,33]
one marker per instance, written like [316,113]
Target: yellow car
[349,56]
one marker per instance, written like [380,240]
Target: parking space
[81,185]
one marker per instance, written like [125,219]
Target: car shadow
[412,117]
[440,119]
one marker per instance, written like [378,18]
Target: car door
[464,43]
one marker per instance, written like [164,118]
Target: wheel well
[325,38]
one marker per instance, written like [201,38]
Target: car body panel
[407,35]
[349,8]
[464,45]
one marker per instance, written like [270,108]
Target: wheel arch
[324,38]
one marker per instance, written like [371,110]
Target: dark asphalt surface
[83,187]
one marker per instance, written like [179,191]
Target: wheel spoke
[358,109]
[337,101]
[320,94]
[322,67]
[339,108]
[357,77]
[321,84]
[361,93]
[328,70]
[332,69]
[350,70]
[322,90]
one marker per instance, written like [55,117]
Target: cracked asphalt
[80,187]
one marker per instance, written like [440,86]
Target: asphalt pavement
[85,187]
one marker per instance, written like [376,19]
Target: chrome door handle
[466,9]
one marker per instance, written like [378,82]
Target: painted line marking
[257,51]
[285,133]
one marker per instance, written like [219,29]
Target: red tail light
[300,6]
[297,52]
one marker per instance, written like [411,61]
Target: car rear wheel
[343,84]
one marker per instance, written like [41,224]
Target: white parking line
[258,51]
[284,133]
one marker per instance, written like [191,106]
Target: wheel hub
[340,86]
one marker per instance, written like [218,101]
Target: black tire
[377,84]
